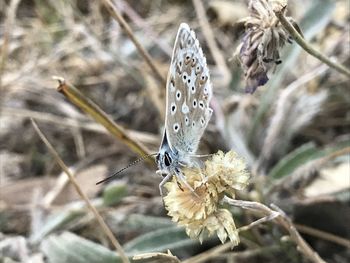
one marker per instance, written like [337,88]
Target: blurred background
[294,132]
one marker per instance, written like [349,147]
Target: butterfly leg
[162,183]
[182,178]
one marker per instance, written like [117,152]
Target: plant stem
[98,217]
[210,38]
[279,12]
[124,25]
[88,106]
[283,220]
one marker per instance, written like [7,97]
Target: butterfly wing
[188,94]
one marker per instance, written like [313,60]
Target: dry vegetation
[294,132]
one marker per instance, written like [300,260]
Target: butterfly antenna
[129,165]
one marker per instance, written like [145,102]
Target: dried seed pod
[259,51]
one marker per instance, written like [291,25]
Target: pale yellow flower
[227,171]
[200,211]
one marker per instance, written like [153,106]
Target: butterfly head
[167,159]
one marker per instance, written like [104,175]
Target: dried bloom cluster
[200,211]
[264,37]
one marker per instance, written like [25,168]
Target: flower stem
[306,46]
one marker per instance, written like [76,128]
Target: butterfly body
[187,105]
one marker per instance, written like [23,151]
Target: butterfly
[188,93]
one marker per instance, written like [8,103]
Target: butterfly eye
[167,159]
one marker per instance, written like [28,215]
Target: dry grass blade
[157,257]
[10,20]
[101,117]
[144,137]
[142,24]
[209,36]
[306,46]
[98,217]
[115,14]
[294,110]
[283,220]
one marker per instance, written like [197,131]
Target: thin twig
[259,221]
[62,180]
[124,25]
[282,220]
[323,235]
[98,217]
[279,12]
[208,254]
[88,106]
[209,37]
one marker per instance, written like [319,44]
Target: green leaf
[302,155]
[57,221]
[68,247]
[145,223]
[314,21]
[62,219]
[114,192]
[161,240]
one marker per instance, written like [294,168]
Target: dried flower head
[200,211]
[264,37]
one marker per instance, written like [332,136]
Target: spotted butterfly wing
[188,94]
